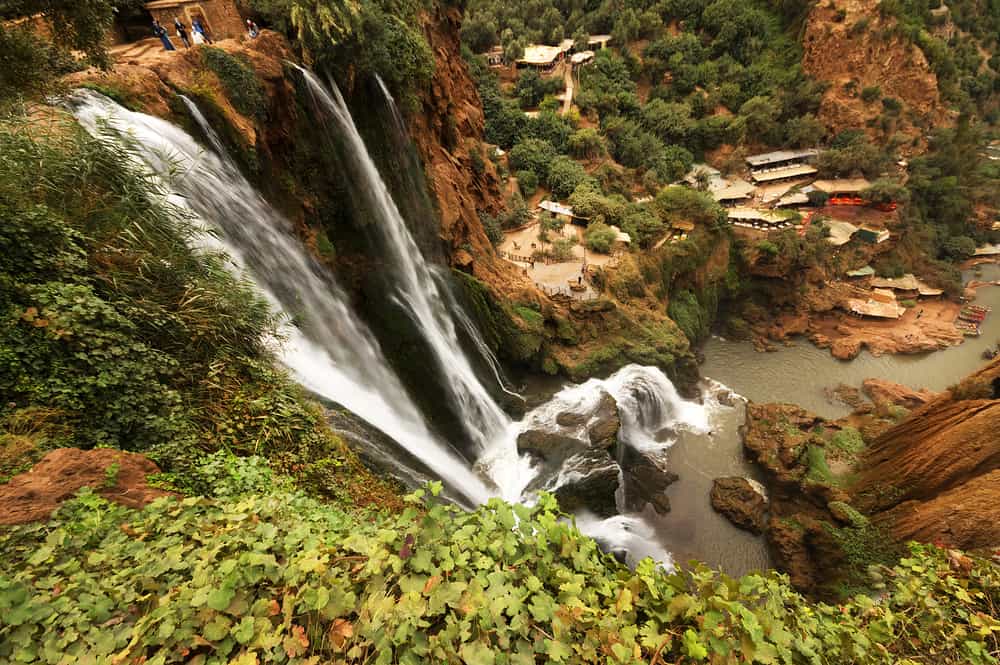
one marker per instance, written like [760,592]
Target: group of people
[196,35]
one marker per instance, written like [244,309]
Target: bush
[565,175]
[767,249]
[689,315]
[870,93]
[527,181]
[240,82]
[892,105]
[532,155]
[599,237]
[959,248]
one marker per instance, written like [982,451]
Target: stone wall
[221,18]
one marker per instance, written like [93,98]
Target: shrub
[565,175]
[870,93]
[314,581]
[959,248]
[527,181]
[599,237]
[689,315]
[892,105]
[239,81]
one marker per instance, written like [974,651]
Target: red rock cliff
[447,131]
[936,476]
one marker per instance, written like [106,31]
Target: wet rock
[845,348]
[646,480]
[845,394]
[743,503]
[570,419]
[775,436]
[604,423]
[549,446]
[887,393]
[589,481]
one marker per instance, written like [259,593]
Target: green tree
[532,155]
[761,115]
[671,122]
[679,203]
[565,175]
[804,132]
[599,237]
[586,143]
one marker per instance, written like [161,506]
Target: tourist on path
[252,29]
[161,32]
[198,29]
[182,32]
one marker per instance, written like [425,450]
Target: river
[800,374]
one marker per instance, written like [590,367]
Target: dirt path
[570,85]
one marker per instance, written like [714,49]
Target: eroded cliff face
[850,45]
[448,133]
[936,476]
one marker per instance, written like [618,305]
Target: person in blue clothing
[161,32]
[196,26]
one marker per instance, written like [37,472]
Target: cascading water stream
[490,430]
[329,351]
[418,293]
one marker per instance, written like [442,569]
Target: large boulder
[551,447]
[646,480]
[604,423]
[589,481]
[887,393]
[741,501]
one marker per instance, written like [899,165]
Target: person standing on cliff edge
[182,32]
[198,28]
[161,32]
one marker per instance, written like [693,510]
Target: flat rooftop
[779,156]
[793,171]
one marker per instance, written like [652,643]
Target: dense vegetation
[29,63]
[274,577]
[370,37]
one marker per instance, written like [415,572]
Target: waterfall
[490,430]
[328,350]
[417,291]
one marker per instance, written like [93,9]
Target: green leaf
[477,653]
[220,598]
[693,646]
[243,631]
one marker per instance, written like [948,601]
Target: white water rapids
[330,351]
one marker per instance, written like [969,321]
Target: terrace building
[781,165]
[221,18]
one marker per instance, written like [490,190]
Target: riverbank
[801,373]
